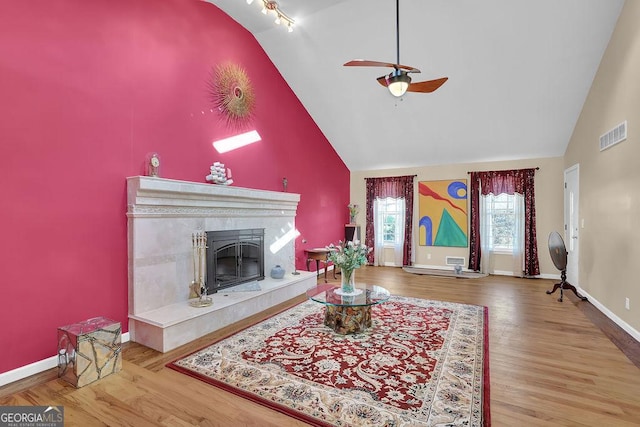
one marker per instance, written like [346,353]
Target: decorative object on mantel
[232,93]
[277,272]
[199,242]
[285,183]
[219,175]
[353,211]
[348,256]
[153,164]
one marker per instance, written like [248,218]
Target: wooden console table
[319,255]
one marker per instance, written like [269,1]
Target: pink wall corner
[89,88]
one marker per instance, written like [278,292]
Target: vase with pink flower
[348,256]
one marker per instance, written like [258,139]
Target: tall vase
[348,281]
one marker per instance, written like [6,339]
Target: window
[501,219]
[390,212]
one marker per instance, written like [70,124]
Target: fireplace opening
[234,257]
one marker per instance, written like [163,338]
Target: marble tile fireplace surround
[162,215]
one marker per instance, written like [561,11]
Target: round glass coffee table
[348,314]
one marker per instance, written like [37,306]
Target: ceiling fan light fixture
[398,83]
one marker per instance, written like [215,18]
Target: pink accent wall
[88,89]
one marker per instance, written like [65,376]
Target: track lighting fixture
[281,17]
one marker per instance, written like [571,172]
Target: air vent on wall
[454,260]
[615,135]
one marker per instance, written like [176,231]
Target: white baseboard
[618,321]
[539,276]
[28,370]
[502,273]
[496,272]
[36,367]
[437,267]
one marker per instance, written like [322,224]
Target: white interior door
[571,221]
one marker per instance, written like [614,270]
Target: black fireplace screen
[234,257]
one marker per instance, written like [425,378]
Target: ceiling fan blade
[426,86]
[366,63]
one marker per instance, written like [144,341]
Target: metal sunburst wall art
[232,93]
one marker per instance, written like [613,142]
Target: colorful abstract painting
[443,213]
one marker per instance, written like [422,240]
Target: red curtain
[475,254]
[396,187]
[519,181]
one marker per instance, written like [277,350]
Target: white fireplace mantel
[166,197]
[162,215]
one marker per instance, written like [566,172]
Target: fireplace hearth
[234,257]
[162,214]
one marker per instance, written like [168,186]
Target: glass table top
[370,295]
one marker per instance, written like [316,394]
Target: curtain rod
[536,168]
[397,176]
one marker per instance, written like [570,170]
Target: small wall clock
[153,164]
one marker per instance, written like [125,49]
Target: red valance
[505,181]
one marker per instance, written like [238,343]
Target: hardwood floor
[551,365]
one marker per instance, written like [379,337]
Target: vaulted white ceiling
[519,72]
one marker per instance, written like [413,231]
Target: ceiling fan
[398,81]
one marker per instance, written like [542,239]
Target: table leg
[318,260]
[326,266]
[318,270]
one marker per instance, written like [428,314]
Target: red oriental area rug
[422,363]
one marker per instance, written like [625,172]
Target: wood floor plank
[551,364]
